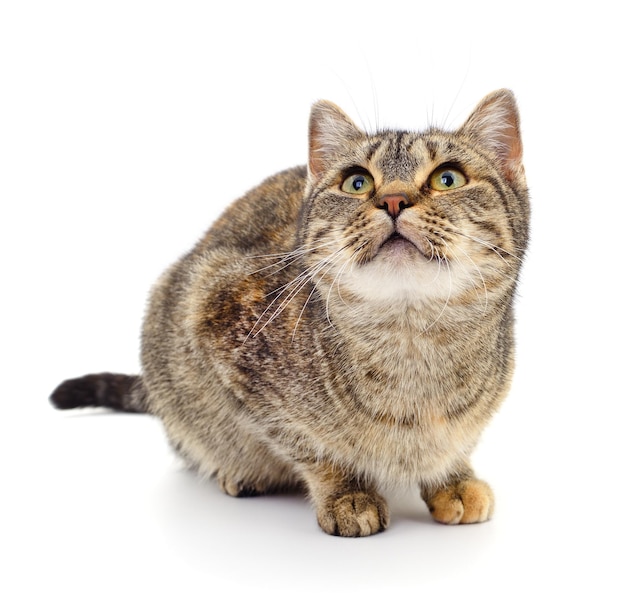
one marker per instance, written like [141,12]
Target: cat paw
[357,514]
[467,502]
[239,488]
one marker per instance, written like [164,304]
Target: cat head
[411,216]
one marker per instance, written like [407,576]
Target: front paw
[354,514]
[467,502]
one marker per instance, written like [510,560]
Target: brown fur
[297,345]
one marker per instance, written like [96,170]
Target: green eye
[357,184]
[446,179]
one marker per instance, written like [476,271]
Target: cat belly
[251,450]
[396,455]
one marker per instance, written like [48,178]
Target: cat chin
[399,273]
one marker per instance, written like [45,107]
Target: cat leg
[462,499]
[263,476]
[244,467]
[345,507]
[251,468]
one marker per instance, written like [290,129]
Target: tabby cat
[345,327]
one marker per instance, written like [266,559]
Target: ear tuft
[494,124]
[330,129]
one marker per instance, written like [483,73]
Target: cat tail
[111,390]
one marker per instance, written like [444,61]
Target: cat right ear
[330,130]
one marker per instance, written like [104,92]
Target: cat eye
[447,179]
[358,184]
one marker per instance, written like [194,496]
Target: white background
[127,126]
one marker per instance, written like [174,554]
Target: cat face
[416,216]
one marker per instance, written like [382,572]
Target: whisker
[302,248]
[299,283]
[472,280]
[281,290]
[306,302]
[439,263]
[488,245]
[447,302]
[286,261]
[352,261]
[288,257]
[295,286]
[336,280]
[311,276]
[496,250]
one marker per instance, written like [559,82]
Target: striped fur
[314,340]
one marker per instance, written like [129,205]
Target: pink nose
[394,203]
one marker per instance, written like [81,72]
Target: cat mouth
[397,244]
[396,239]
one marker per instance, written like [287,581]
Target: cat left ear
[495,125]
[330,130]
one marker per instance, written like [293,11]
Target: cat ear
[330,130]
[494,124]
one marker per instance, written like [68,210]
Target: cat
[346,327]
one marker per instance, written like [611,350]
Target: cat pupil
[447,179]
[358,182]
